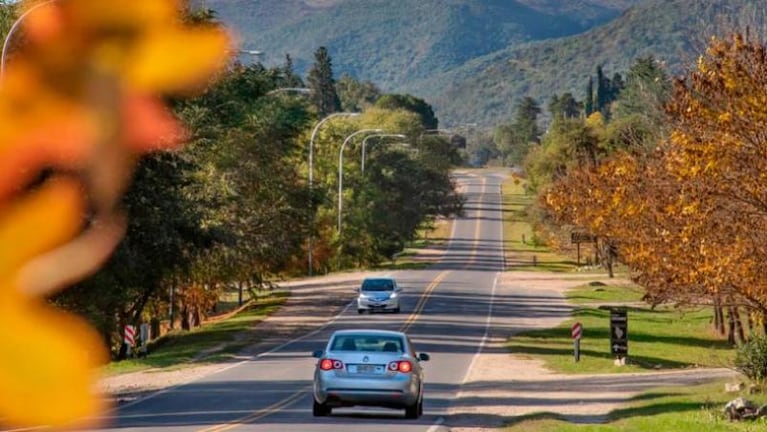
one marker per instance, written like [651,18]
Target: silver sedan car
[379,294]
[369,368]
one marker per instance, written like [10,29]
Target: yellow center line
[477,226]
[258,414]
[271,409]
[411,319]
[422,301]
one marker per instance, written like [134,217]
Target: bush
[751,359]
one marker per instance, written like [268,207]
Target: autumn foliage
[689,216]
[80,101]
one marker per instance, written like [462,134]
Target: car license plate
[366,369]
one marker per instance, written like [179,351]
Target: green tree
[588,104]
[356,95]
[163,231]
[396,196]
[513,140]
[565,106]
[289,74]
[569,143]
[602,95]
[322,83]
[482,149]
[410,103]
[647,90]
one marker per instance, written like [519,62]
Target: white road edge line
[436,425]
[277,348]
[481,347]
[240,363]
[488,319]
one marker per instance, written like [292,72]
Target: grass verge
[660,338]
[219,339]
[523,252]
[678,409]
[603,293]
[432,236]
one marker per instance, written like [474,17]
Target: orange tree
[719,118]
[689,215]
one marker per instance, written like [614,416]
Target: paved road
[446,310]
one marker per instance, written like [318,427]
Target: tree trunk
[138,309]
[764,323]
[718,315]
[239,292]
[185,318]
[730,326]
[739,327]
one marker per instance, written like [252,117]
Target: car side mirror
[423,357]
[317,354]
[397,289]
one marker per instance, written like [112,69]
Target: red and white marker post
[576,332]
[129,337]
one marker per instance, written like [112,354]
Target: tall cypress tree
[602,90]
[291,79]
[322,84]
[588,103]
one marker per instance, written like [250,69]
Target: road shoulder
[501,386]
[312,303]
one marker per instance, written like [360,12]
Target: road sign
[576,330]
[582,237]
[619,342]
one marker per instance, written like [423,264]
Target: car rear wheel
[321,410]
[360,311]
[396,309]
[413,411]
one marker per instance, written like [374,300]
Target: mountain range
[473,60]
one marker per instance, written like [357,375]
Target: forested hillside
[396,43]
[485,90]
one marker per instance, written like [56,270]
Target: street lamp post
[341,170]
[449,131]
[434,131]
[365,141]
[314,135]
[310,258]
[12,30]
[301,90]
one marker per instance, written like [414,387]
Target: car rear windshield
[377,285]
[367,343]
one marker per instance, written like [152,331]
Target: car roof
[372,332]
[389,278]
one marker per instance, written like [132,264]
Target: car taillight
[330,364]
[403,366]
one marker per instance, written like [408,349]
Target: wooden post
[578,247]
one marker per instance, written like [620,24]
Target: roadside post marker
[129,337]
[576,332]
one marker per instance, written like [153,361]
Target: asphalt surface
[446,310]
